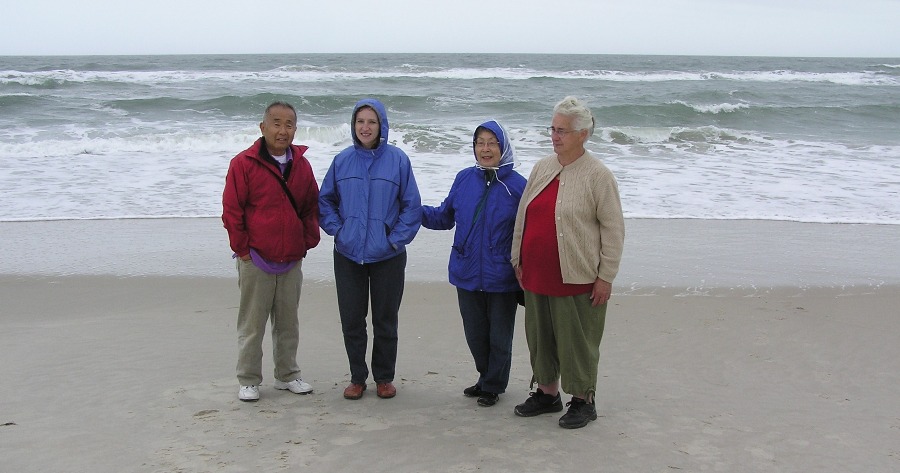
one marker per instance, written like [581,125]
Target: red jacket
[257,213]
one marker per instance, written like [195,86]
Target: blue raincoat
[369,201]
[482,205]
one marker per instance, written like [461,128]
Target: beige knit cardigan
[590,228]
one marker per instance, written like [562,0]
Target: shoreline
[782,292]
[699,256]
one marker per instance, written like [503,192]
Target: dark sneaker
[539,403]
[578,415]
[488,399]
[473,391]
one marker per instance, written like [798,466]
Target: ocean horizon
[688,137]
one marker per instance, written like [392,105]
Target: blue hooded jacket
[479,258]
[369,201]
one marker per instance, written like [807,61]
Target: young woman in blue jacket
[370,204]
[482,206]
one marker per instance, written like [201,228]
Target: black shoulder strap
[478,210]
[287,191]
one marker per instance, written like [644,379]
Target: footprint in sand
[345,441]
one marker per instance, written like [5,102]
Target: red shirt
[540,250]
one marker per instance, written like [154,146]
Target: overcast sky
[707,27]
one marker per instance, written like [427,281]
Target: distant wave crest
[714,108]
[305,73]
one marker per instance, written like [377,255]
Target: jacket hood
[508,154]
[382,122]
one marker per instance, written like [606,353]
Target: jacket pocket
[378,247]
[350,238]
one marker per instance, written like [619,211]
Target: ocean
[688,137]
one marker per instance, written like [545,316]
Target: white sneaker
[249,393]
[297,386]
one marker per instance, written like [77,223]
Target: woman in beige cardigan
[567,243]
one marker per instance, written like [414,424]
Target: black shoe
[539,403]
[488,399]
[473,391]
[578,415]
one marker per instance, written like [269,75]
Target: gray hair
[582,117]
[279,103]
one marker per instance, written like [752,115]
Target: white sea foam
[728,140]
[659,176]
[305,74]
[715,108]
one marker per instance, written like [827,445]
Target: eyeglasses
[559,131]
[489,144]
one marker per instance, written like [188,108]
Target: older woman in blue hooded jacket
[482,207]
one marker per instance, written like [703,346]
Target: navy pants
[489,319]
[384,281]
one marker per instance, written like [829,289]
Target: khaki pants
[264,296]
[563,336]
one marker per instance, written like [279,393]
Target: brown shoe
[354,391]
[386,390]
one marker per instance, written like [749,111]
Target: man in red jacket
[270,209]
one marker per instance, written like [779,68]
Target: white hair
[582,118]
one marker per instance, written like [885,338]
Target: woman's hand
[601,292]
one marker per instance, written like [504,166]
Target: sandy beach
[730,346]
